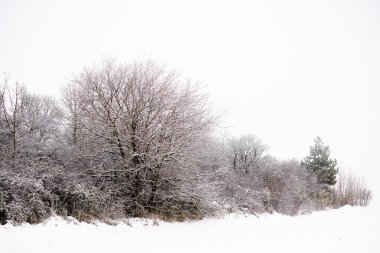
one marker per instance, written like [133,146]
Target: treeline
[135,140]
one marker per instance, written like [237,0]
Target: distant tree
[319,163]
[73,120]
[29,123]
[29,139]
[247,153]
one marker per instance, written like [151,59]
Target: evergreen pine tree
[319,163]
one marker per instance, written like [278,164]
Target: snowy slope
[349,229]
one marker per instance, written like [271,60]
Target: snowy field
[349,229]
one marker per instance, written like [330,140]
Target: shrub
[23,201]
[351,190]
[83,201]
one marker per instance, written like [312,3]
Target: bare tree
[14,104]
[141,123]
[28,122]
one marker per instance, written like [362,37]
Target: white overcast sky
[286,71]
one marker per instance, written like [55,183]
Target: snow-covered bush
[21,200]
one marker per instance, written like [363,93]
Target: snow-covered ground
[349,229]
